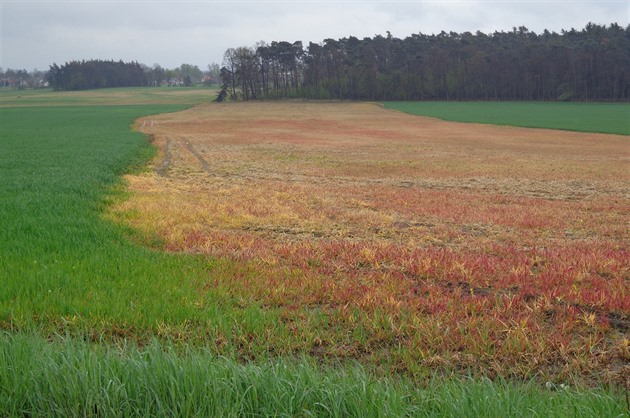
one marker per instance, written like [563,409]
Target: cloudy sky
[37,33]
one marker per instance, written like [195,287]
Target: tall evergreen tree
[591,64]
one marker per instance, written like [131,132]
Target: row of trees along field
[590,64]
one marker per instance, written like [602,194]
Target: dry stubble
[497,248]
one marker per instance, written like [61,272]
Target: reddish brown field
[394,238]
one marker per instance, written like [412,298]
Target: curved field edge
[610,118]
[70,377]
[58,258]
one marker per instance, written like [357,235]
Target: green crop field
[611,118]
[94,324]
[60,165]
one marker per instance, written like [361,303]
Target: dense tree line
[94,74]
[590,64]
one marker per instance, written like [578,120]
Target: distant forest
[94,74]
[592,64]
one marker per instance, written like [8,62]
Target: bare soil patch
[358,168]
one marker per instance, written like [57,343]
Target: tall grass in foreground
[608,118]
[69,377]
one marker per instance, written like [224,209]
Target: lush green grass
[62,265]
[68,377]
[612,118]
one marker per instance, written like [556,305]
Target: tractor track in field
[162,169]
[204,164]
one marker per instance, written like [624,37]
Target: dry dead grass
[423,220]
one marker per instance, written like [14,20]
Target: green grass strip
[611,118]
[70,377]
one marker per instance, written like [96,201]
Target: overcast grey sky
[37,33]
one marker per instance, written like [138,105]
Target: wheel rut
[162,169]
[204,164]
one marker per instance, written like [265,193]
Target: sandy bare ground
[357,170]
[364,144]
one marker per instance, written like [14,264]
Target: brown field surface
[404,240]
